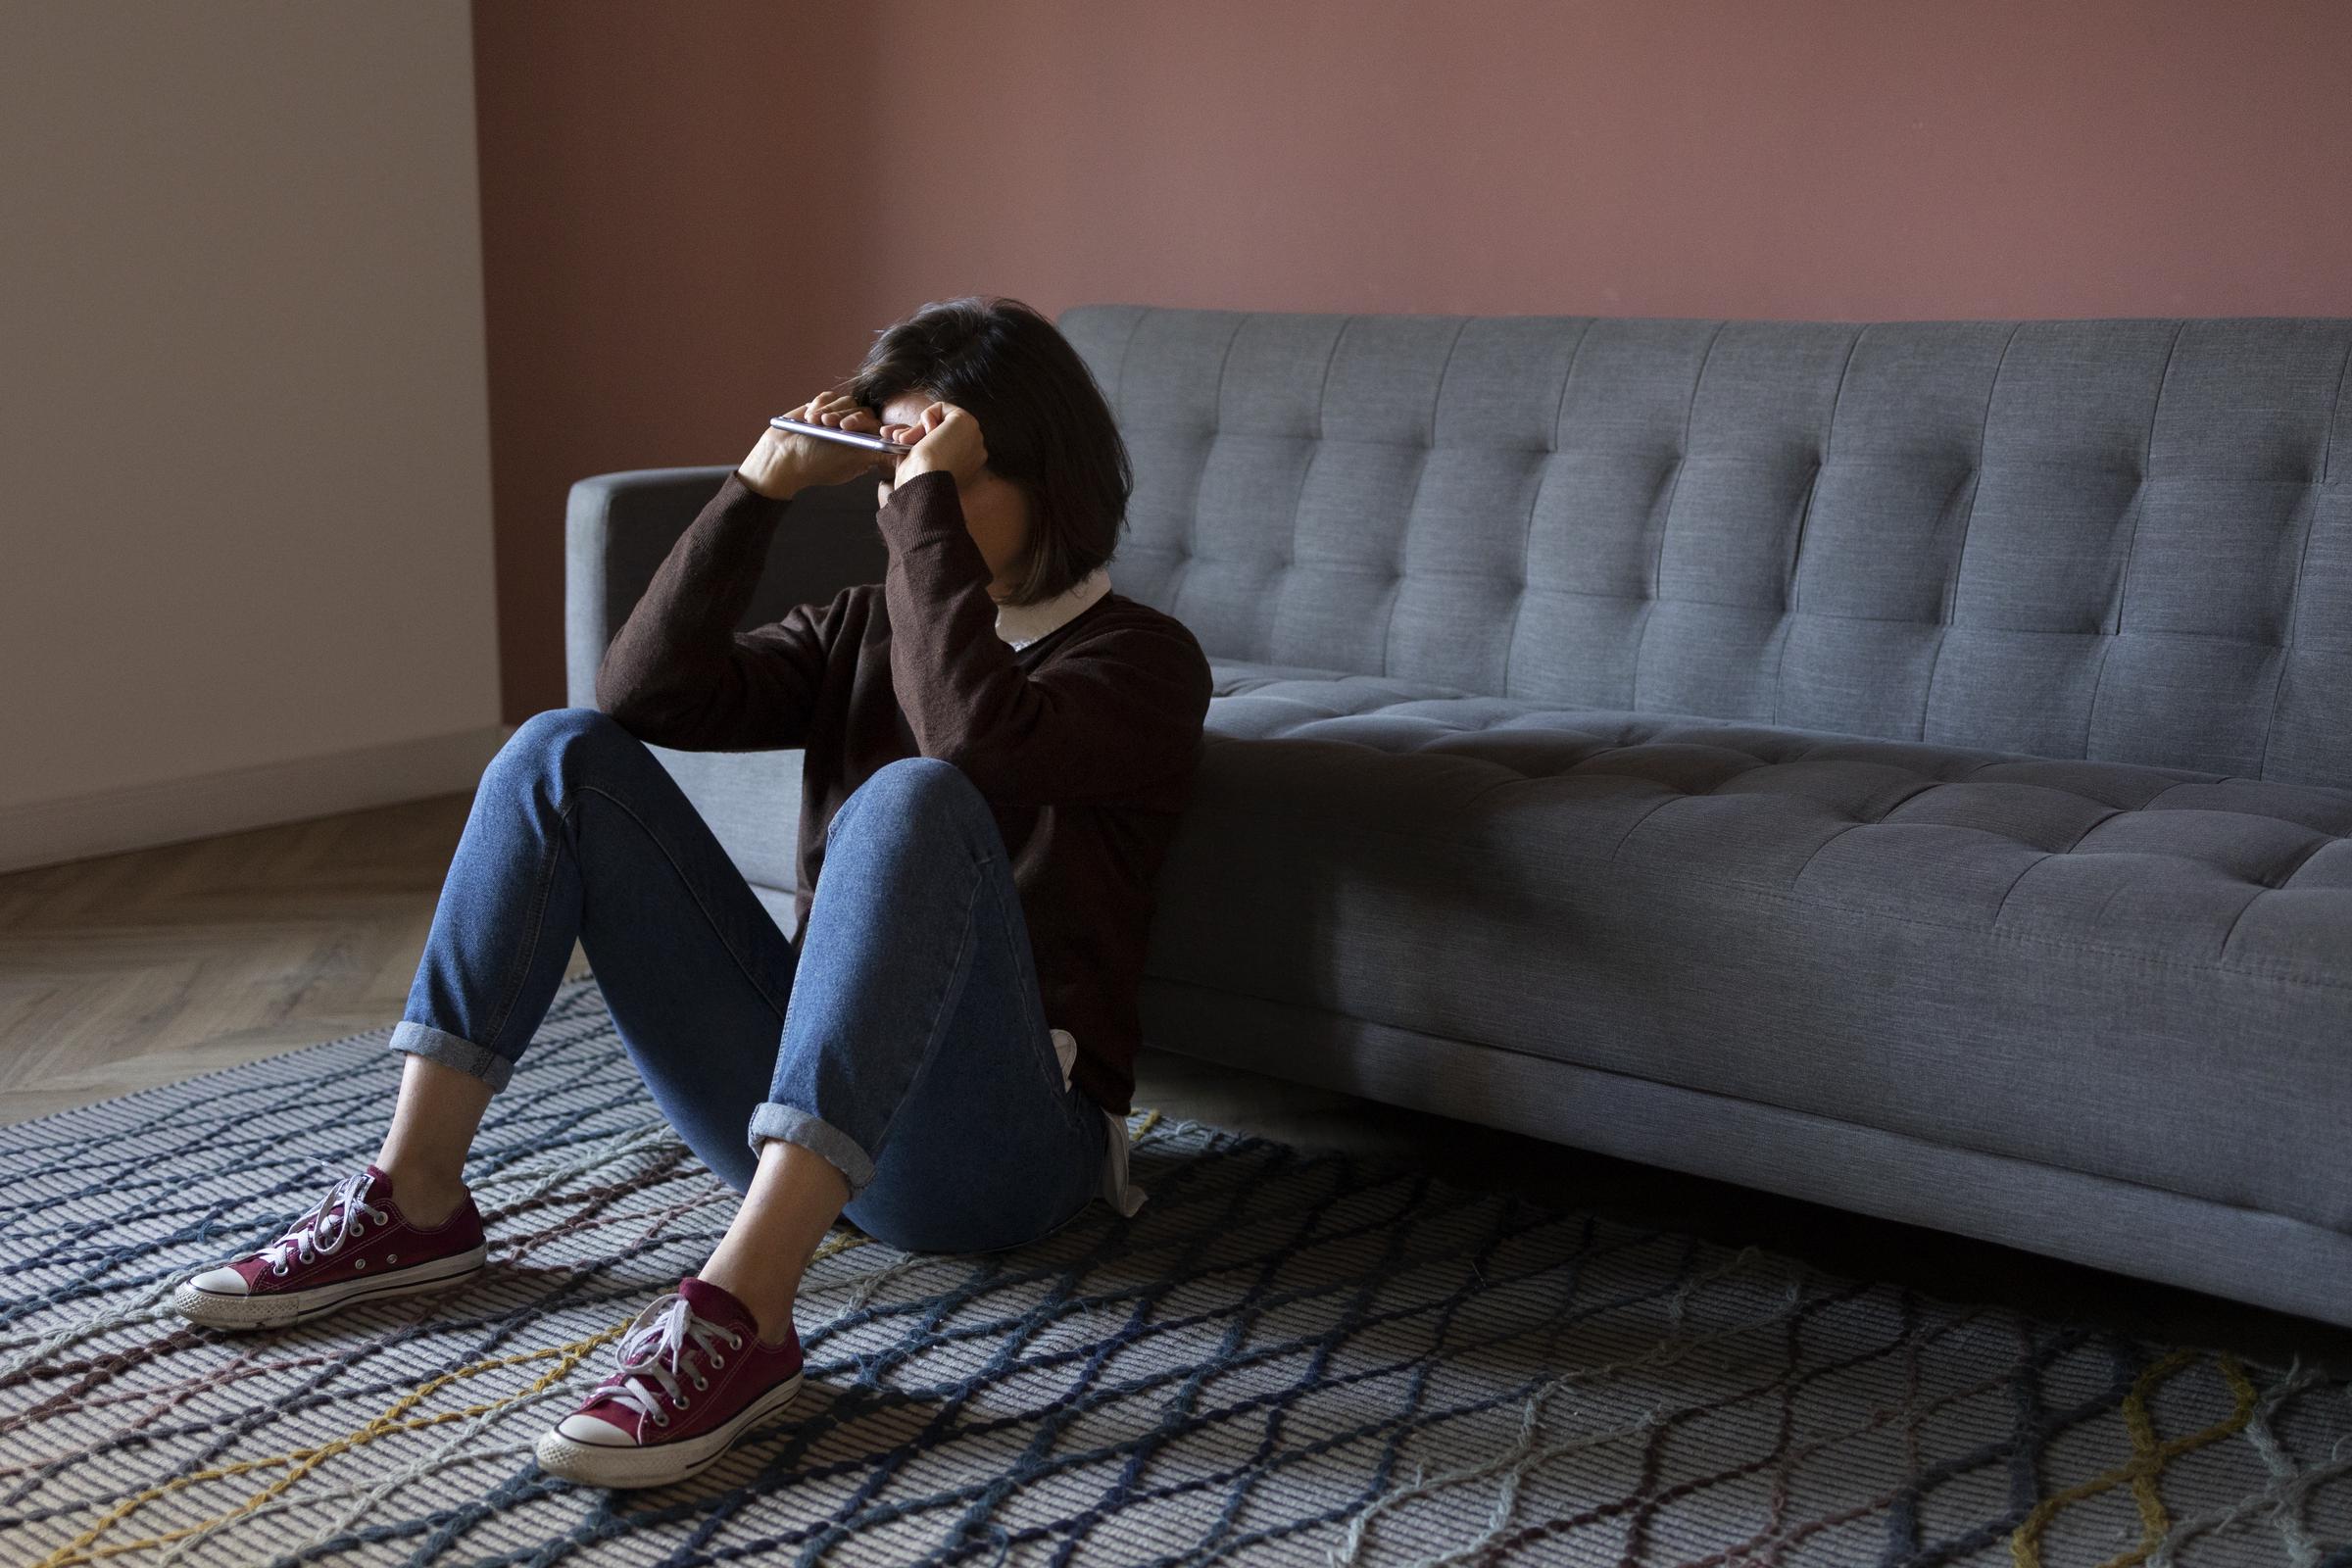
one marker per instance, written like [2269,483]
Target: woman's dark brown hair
[1048,428]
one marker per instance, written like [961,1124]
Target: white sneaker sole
[618,1465]
[216,1310]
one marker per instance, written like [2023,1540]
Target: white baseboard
[48,832]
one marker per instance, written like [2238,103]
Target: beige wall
[245,548]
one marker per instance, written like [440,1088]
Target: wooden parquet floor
[127,970]
[123,972]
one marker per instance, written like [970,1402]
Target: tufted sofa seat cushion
[1880,931]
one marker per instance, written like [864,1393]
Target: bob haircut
[1046,425]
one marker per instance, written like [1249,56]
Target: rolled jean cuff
[797,1126]
[434,1045]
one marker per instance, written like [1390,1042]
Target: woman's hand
[947,441]
[786,460]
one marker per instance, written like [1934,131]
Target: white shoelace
[322,1231]
[653,1349]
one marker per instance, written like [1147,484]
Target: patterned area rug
[1285,1357]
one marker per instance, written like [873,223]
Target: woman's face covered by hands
[948,440]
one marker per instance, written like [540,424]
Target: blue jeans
[901,1036]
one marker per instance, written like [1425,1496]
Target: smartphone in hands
[829,432]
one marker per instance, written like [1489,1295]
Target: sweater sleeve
[678,674]
[1102,718]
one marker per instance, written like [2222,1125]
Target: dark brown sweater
[1084,742]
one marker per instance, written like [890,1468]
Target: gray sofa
[1907,766]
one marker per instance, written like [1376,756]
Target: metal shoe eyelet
[661,1420]
[279,1269]
[716,1359]
[701,1383]
[734,1341]
[359,1262]
[683,1402]
[391,1257]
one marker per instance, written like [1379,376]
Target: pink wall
[671,258]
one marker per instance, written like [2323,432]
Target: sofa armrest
[618,528]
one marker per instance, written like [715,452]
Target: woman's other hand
[786,460]
[947,440]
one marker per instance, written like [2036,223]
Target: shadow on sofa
[1907,766]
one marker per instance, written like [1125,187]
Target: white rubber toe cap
[219,1282]
[598,1434]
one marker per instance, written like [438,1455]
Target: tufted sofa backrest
[2120,539]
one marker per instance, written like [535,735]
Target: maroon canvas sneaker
[355,1246]
[694,1376]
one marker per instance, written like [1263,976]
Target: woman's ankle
[426,1198]
[769,1305]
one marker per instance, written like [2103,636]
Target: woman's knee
[557,741]
[915,791]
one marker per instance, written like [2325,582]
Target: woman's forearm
[677,673]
